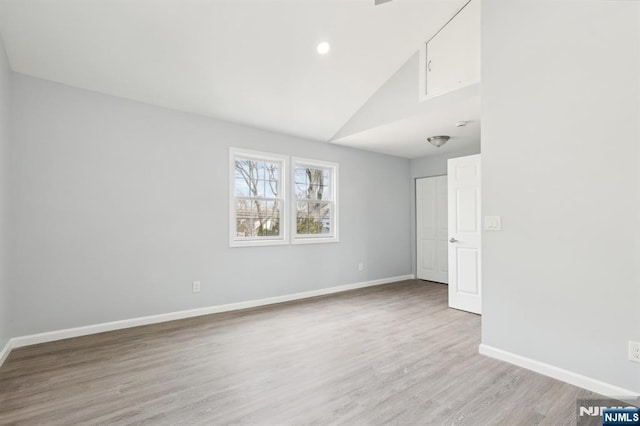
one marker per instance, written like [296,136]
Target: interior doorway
[432,229]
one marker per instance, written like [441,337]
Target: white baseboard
[4,352]
[51,336]
[567,376]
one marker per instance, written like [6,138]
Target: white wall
[117,206]
[560,140]
[5,89]
[637,297]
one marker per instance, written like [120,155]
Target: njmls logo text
[630,417]
[607,412]
[599,411]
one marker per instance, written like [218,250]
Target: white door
[431,229]
[464,233]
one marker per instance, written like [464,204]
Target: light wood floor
[392,354]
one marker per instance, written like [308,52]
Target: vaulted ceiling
[248,61]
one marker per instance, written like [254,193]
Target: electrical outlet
[634,351]
[360,266]
[195,287]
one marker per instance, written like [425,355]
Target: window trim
[283,239]
[333,237]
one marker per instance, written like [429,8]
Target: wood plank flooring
[392,354]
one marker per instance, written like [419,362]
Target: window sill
[257,243]
[315,240]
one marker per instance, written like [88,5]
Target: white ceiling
[247,61]
[407,137]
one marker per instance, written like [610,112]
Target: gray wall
[560,160]
[435,165]
[118,206]
[5,89]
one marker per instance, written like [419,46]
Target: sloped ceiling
[395,122]
[248,61]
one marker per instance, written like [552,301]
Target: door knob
[453,240]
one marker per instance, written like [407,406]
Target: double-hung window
[260,205]
[315,209]
[258,198]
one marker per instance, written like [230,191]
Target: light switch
[492,223]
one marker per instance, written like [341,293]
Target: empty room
[291,212]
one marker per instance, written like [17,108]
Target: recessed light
[323,48]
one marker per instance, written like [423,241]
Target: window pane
[312,183]
[301,191]
[300,176]
[270,171]
[246,169]
[244,219]
[241,188]
[261,170]
[326,192]
[266,216]
[271,228]
[320,192]
[302,215]
[266,226]
[319,218]
[316,184]
[244,227]
[324,218]
[255,218]
[313,218]
[243,208]
[302,209]
[302,226]
[271,188]
[254,178]
[270,219]
[259,189]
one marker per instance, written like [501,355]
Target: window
[315,208]
[257,202]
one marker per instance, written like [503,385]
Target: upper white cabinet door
[453,54]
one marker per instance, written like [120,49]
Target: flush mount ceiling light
[438,141]
[323,48]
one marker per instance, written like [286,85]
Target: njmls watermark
[605,412]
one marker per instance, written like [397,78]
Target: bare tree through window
[313,200]
[256,189]
[260,207]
